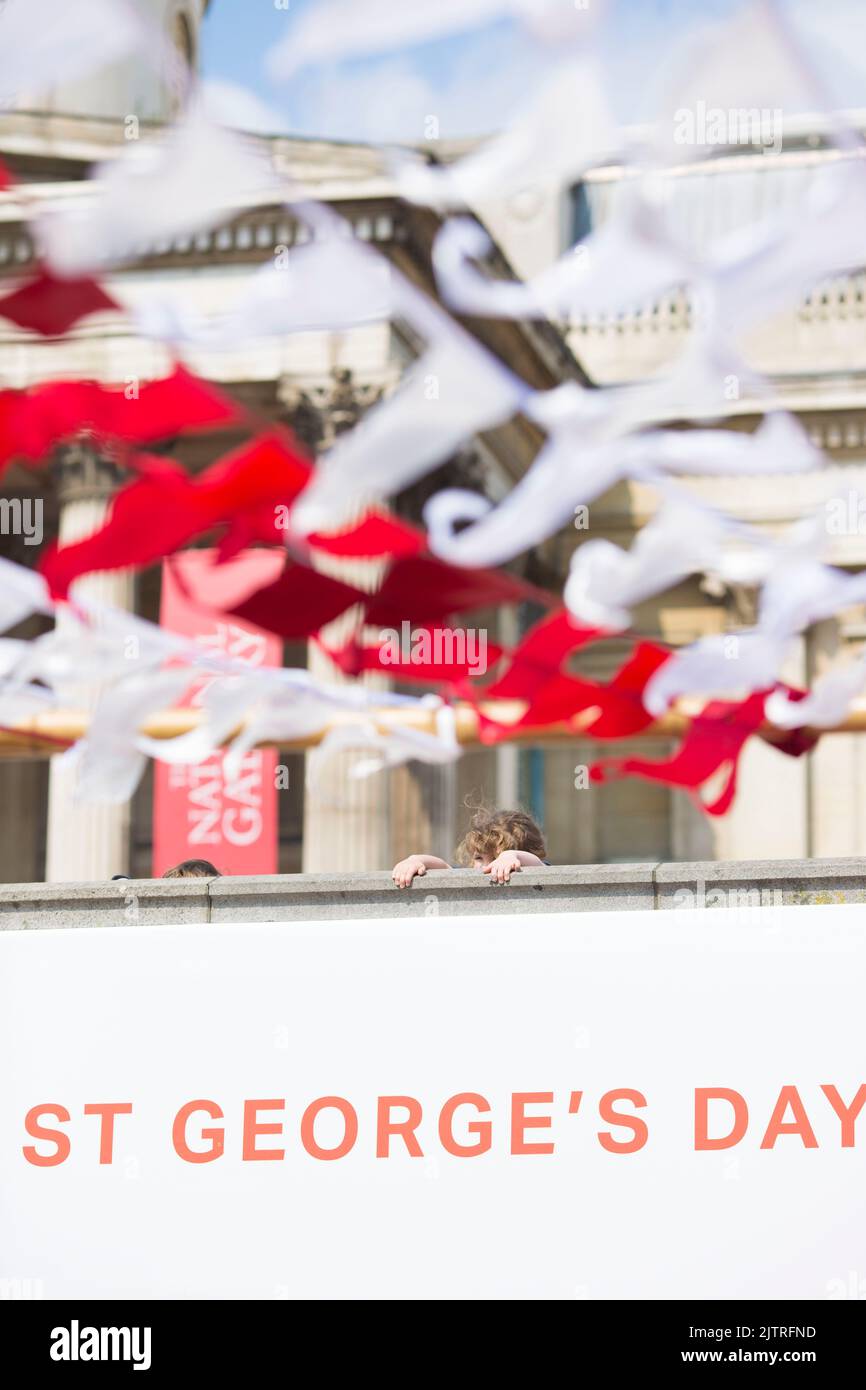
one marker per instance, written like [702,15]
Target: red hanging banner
[199,812]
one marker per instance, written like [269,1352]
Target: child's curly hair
[193,868]
[491,832]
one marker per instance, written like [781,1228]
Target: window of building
[579,214]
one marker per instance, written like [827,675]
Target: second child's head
[193,868]
[492,832]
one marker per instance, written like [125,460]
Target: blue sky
[472,82]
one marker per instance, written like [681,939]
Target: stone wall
[748,884]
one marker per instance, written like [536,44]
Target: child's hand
[404,872]
[501,868]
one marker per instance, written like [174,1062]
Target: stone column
[508,754]
[770,815]
[85,840]
[347,821]
[837,784]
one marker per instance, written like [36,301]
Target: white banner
[598,1105]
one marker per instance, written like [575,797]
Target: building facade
[320,383]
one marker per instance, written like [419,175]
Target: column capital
[86,471]
[740,601]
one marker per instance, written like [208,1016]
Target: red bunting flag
[32,422]
[165,508]
[713,744]
[622,711]
[423,590]
[535,674]
[298,603]
[374,536]
[614,709]
[50,307]
[540,655]
[794,743]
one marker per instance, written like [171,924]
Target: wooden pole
[51,731]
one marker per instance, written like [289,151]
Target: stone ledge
[133,902]
[456,892]
[460,892]
[760,883]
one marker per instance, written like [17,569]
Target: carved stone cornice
[245,239]
[740,601]
[319,414]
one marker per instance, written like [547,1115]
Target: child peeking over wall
[193,868]
[500,843]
